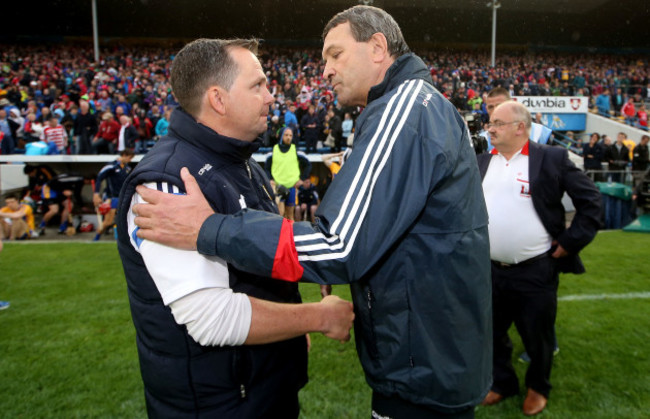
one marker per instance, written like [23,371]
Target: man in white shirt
[523,184]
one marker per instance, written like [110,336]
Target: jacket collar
[536,155]
[408,66]
[183,126]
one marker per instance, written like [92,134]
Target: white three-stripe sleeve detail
[361,170]
[365,197]
[365,193]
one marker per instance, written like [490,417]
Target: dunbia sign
[555,104]
[561,113]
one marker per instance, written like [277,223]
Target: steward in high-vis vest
[287,168]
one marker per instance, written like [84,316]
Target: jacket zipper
[250,176]
[248,168]
[372,344]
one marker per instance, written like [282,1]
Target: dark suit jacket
[551,173]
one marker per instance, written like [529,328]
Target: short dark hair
[365,21]
[127,152]
[203,63]
[499,91]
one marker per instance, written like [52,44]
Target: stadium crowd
[57,100]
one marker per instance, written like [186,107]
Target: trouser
[393,407]
[102,146]
[83,145]
[526,295]
[311,142]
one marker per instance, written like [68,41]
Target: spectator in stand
[55,136]
[85,128]
[592,153]
[291,121]
[114,174]
[123,103]
[347,126]
[104,103]
[19,124]
[642,117]
[640,156]
[628,111]
[163,124]
[127,135]
[33,128]
[118,112]
[309,126]
[618,100]
[603,104]
[335,129]
[7,144]
[617,156]
[105,140]
[16,220]
[68,123]
[144,128]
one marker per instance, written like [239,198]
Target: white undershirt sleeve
[195,287]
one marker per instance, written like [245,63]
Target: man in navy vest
[213,340]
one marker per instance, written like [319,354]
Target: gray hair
[203,63]
[521,113]
[365,21]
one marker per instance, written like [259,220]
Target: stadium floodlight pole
[95,37]
[495,4]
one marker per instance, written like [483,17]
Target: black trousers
[393,407]
[525,295]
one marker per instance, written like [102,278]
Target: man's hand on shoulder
[172,220]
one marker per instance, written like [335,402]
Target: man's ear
[379,46]
[216,97]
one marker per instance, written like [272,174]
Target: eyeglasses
[499,124]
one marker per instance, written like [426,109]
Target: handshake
[337,317]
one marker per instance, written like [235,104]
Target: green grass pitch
[67,344]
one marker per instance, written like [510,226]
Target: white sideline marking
[626,296]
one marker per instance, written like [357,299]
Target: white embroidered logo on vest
[205,169]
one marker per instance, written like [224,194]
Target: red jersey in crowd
[109,130]
[643,117]
[56,135]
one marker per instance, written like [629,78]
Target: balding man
[538,133]
[523,183]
